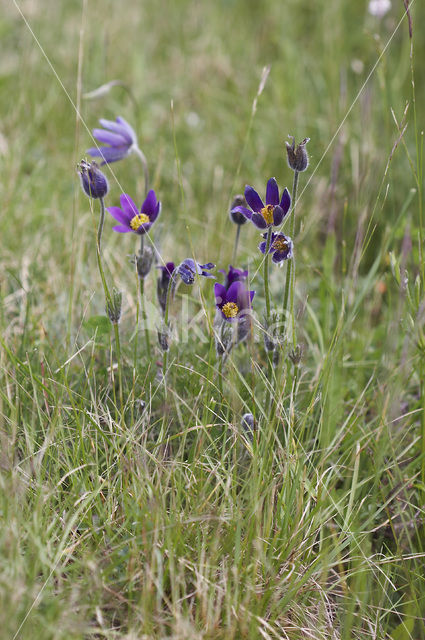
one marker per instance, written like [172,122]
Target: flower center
[280,244]
[137,221]
[230,309]
[267,213]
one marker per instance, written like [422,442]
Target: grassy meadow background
[171,523]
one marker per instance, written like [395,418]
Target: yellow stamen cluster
[280,244]
[267,213]
[230,309]
[137,221]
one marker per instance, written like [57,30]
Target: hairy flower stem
[167,308]
[142,297]
[266,273]
[108,296]
[144,162]
[118,350]
[235,248]
[290,270]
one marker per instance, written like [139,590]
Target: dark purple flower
[234,302]
[188,269]
[93,182]
[120,137]
[281,246]
[233,275]
[269,214]
[235,216]
[130,219]
[163,282]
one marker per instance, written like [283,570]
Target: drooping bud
[248,424]
[93,181]
[235,216]
[114,306]
[163,282]
[144,262]
[297,156]
[163,337]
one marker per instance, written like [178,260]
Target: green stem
[235,248]
[289,268]
[166,313]
[144,162]
[108,296]
[99,259]
[118,350]
[142,297]
[266,273]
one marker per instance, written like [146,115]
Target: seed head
[297,156]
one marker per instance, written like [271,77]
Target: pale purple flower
[120,137]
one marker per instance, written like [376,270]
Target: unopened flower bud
[114,306]
[276,358]
[248,424]
[144,262]
[297,156]
[163,337]
[93,181]
[295,355]
[224,339]
[235,216]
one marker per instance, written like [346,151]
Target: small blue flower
[188,269]
[120,137]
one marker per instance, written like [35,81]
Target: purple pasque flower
[93,181]
[233,302]
[188,269]
[233,275]
[120,137]
[281,246]
[132,220]
[269,214]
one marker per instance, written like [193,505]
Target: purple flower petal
[262,246]
[119,215]
[149,204]
[220,293]
[144,228]
[278,215]
[244,211]
[122,229]
[127,129]
[272,192]
[234,292]
[114,139]
[278,256]
[209,265]
[253,199]
[116,127]
[251,295]
[259,221]
[156,213]
[108,154]
[128,206]
[285,201]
